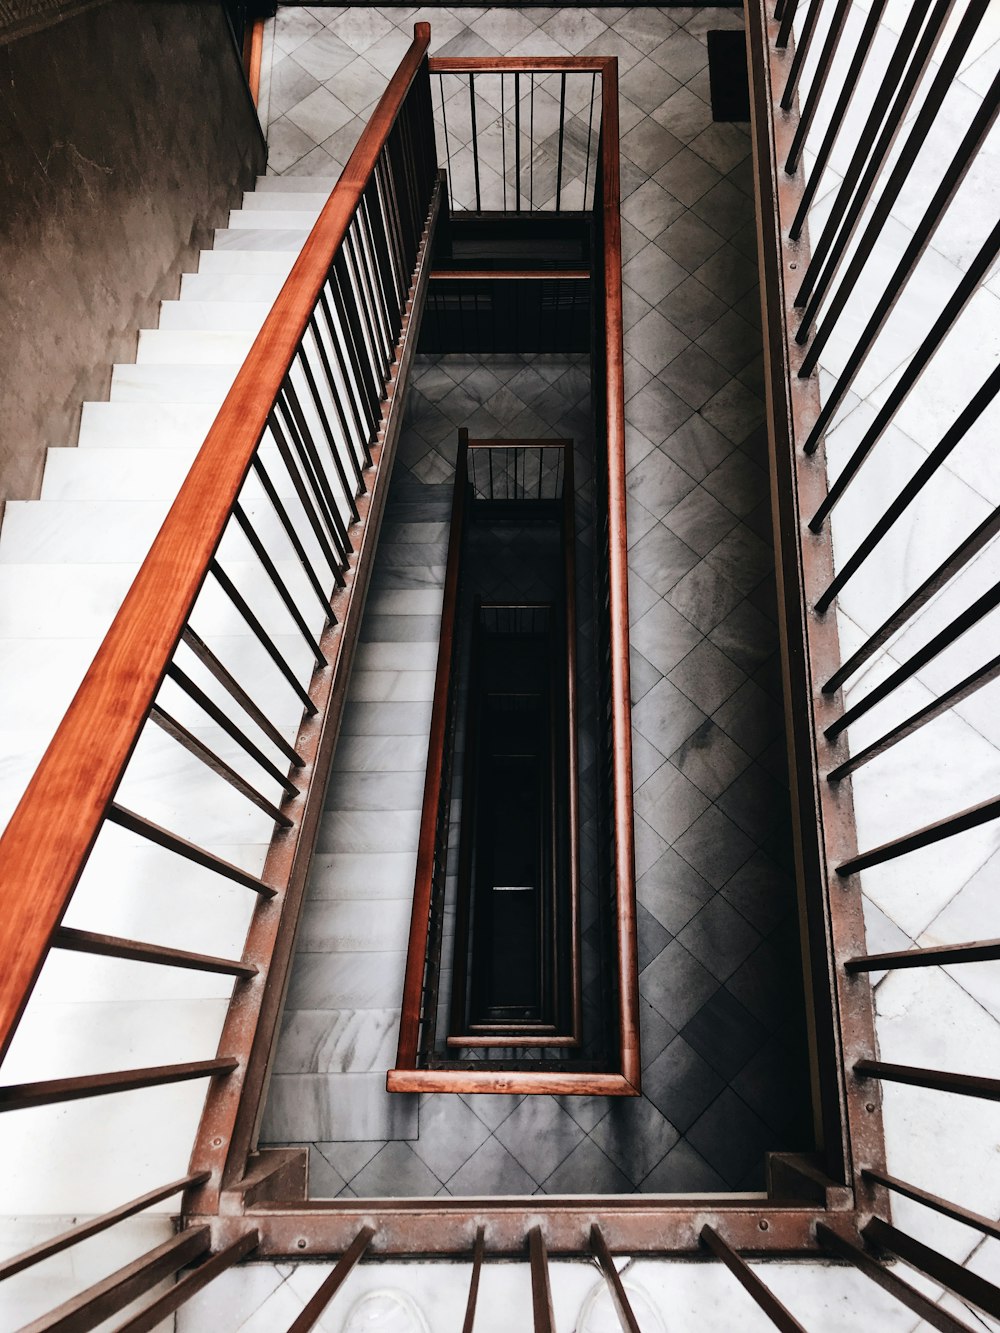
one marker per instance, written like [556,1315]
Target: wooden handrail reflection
[53,830]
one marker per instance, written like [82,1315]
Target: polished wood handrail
[416,951]
[621,716]
[523,65]
[52,831]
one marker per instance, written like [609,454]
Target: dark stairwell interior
[725,1068]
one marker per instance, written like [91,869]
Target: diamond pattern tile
[724,1078]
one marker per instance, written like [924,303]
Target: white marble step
[193,347]
[141,426]
[287,239]
[115,474]
[266,201]
[265,219]
[82,531]
[294,184]
[217,316]
[172,383]
[250,262]
[230,287]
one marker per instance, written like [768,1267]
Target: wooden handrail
[621,716]
[52,831]
[416,950]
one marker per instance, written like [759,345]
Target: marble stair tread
[265,219]
[302,200]
[402,657]
[362,875]
[391,686]
[329,1108]
[237,288]
[270,239]
[193,347]
[148,474]
[172,384]
[382,754]
[337,1041]
[218,316]
[115,474]
[294,184]
[355,981]
[253,263]
[335,926]
[368,831]
[390,791]
[142,426]
[84,531]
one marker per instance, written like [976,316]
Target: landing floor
[724,1070]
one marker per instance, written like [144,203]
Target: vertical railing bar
[914,1300]
[961,1282]
[475,140]
[349,321]
[946,571]
[332,1283]
[17,1263]
[951,182]
[184,682]
[202,752]
[342,341]
[382,339]
[562,131]
[280,586]
[987,1225]
[189,1284]
[447,145]
[590,129]
[816,88]
[973,816]
[849,87]
[384,304]
[944,639]
[957,694]
[238,600]
[311,504]
[801,51]
[619,1297]
[914,368]
[531,138]
[293,537]
[391,226]
[331,440]
[368,321]
[910,61]
[517,136]
[541,1292]
[785,13]
[224,676]
[478,1250]
[953,436]
[503,141]
[765,1299]
[335,397]
[298,430]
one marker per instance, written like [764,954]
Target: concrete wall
[126,131]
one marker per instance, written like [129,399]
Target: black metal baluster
[562,130]
[475,141]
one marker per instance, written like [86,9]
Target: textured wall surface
[126,131]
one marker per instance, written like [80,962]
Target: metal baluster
[447,145]
[475,141]
[818,84]
[562,130]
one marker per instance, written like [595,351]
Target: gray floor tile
[681,1085]
[683,1171]
[705,597]
[710,759]
[725,1034]
[676,984]
[715,846]
[666,717]
[635,1135]
[540,1135]
[669,802]
[662,558]
[701,522]
[397,1170]
[450,1132]
[491,1170]
[731,1138]
[587,1170]
[707,676]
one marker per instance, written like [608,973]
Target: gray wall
[126,132]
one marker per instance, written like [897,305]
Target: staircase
[341,1021]
[66,563]
[67,559]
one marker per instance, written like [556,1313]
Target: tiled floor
[724,1072]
